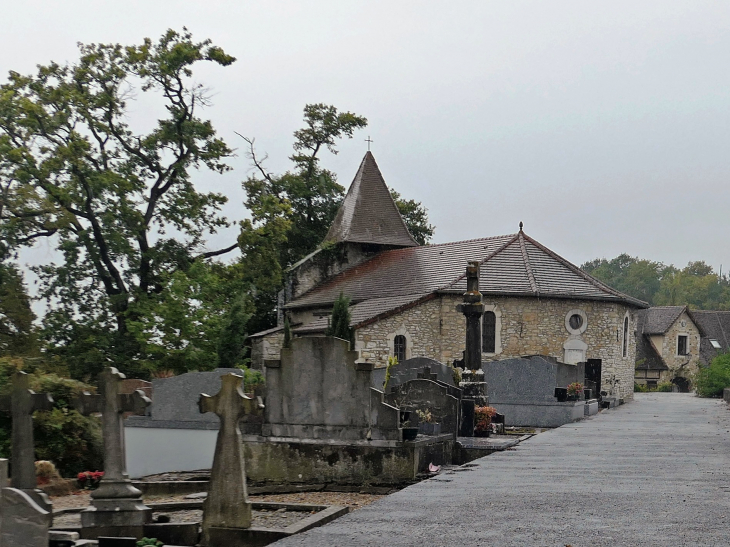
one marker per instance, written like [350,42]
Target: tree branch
[219,252]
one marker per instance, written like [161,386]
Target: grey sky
[605,127]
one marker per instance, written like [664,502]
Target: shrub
[63,436]
[640,388]
[340,320]
[149,542]
[251,379]
[665,387]
[713,379]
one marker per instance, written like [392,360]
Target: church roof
[368,213]
[511,265]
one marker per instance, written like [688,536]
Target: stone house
[673,342]
[404,296]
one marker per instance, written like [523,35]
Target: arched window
[399,348]
[489,332]
[626,336]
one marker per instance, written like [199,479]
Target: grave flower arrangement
[575,389]
[425,416]
[89,480]
[483,420]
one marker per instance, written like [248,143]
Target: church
[404,295]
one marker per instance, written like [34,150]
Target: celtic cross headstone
[227,505]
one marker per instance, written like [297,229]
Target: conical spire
[368,214]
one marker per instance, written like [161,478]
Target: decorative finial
[368,140]
[521,225]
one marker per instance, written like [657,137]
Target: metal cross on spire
[369,140]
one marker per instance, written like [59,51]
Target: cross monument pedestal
[116,506]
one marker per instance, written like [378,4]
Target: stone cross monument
[21,404]
[473,309]
[227,508]
[116,506]
[474,388]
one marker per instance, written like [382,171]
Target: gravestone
[227,509]
[427,394]
[116,506]
[21,404]
[23,523]
[409,370]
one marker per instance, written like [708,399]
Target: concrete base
[95,532]
[289,460]
[726,394]
[545,414]
[591,407]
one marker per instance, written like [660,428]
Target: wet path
[653,472]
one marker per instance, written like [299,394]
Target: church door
[593,376]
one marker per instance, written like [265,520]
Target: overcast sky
[604,127]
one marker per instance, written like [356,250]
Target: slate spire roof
[511,265]
[368,213]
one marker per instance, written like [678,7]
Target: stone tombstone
[21,404]
[176,398]
[117,506]
[529,380]
[409,370]
[23,523]
[227,505]
[319,390]
[427,395]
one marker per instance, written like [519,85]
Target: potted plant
[575,390]
[483,420]
[426,425]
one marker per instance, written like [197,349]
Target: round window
[575,321]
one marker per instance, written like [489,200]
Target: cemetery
[325,420]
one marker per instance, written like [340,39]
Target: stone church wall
[526,326]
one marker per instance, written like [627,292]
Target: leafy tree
[116,201]
[712,380]
[16,316]
[415,216]
[231,345]
[340,320]
[631,275]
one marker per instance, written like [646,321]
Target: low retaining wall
[544,414]
[296,461]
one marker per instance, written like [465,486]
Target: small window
[626,336]
[399,348]
[575,321]
[681,345]
[715,344]
[640,374]
[489,332]
[653,374]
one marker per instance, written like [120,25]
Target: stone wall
[526,326]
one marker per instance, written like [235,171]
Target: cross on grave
[227,504]
[426,374]
[21,404]
[115,494]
